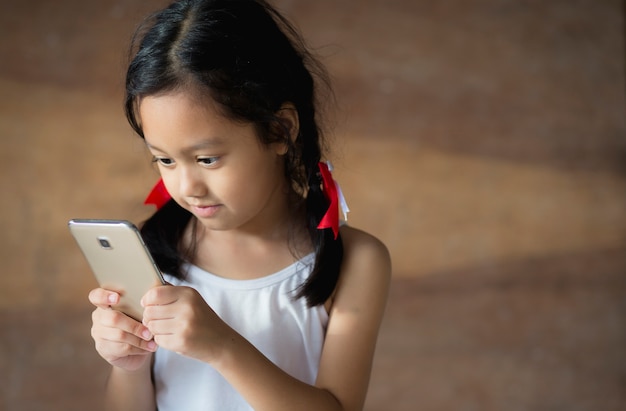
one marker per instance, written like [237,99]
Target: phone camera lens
[104,243]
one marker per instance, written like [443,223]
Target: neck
[247,253]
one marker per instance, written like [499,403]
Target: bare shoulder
[356,240]
[366,268]
[362,250]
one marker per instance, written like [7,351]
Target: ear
[289,123]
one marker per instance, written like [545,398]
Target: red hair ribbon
[333,194]
[159,195]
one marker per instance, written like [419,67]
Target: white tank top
[263,311]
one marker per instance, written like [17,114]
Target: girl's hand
[181,321]
[120,340]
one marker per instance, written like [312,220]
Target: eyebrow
[208,143]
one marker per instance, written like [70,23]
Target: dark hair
[250,60]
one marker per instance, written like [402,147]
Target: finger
[160,295]
[157,314]
[103,298]
[109,336]
[166,326]
[106,318]
[125,343]
[115,349]
[168,341]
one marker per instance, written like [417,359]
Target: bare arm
[355,319]
[130,390]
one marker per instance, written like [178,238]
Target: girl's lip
[205,211]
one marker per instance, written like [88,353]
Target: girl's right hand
[120,340]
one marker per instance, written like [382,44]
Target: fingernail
[146,334]
[112,298]
[152,346]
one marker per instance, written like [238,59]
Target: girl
[270,305]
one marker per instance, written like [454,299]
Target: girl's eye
[164,161]
[208,161]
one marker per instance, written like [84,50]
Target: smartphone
[119,260]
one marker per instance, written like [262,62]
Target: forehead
[180,106]
[181,119]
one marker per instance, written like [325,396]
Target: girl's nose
[191,183]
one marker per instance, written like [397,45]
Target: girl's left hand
[181,321]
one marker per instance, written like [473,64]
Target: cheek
[169,184]
[243,189]
[234,188]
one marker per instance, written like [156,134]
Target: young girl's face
[213,166]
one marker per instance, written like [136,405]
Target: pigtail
[322,281]
[163,234]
